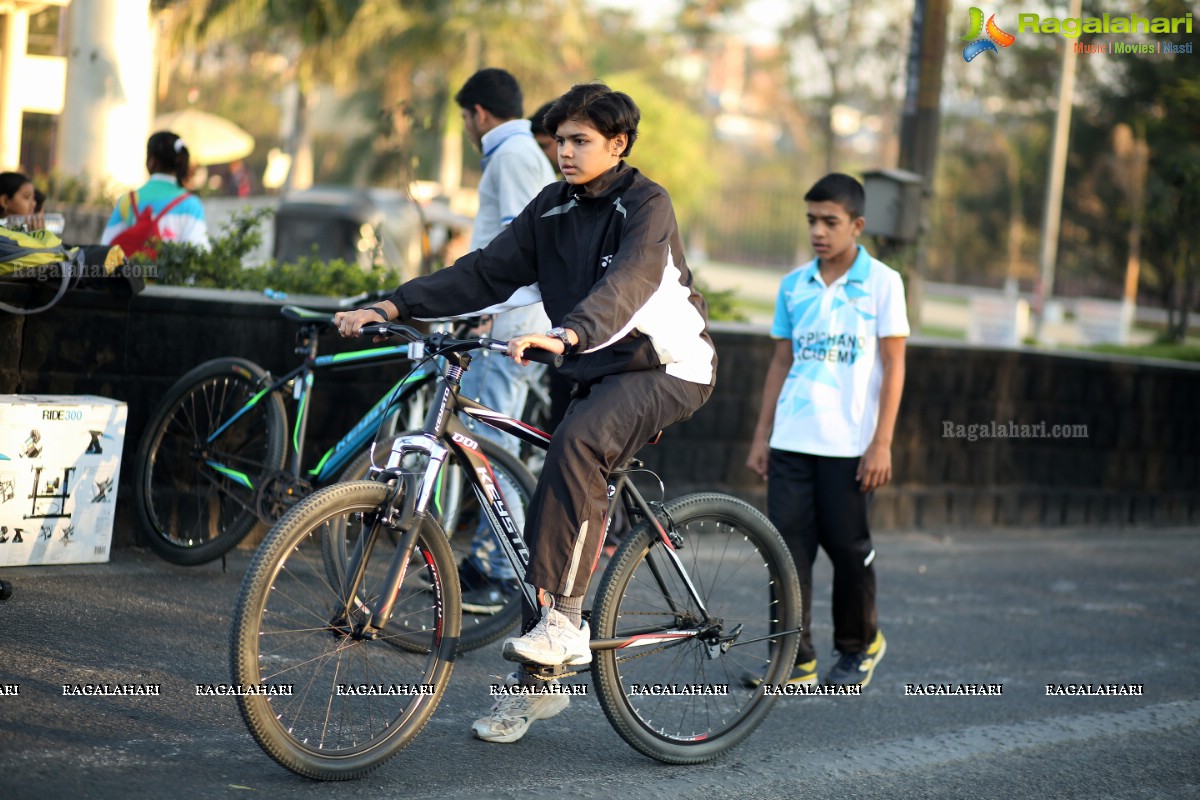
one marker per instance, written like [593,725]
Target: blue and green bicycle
[218,458]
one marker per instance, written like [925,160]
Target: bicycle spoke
[685,701]
[355,698]
[194,511]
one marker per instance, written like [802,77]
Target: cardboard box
[60,460]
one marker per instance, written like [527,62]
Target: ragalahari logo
[994,37]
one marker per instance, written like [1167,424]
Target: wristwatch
[561,334]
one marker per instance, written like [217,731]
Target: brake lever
[375,329]
[416,342]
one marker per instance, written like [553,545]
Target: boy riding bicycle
[603,253]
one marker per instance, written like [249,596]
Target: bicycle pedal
[547,673]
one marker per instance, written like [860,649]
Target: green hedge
[221,266]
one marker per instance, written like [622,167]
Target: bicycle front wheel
[460,514]
[337,704]
[207,449]
[679,698]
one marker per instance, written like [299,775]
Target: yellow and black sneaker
[802,675]
[857,668]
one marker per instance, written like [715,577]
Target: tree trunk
[1177,304]
[299,143]
[450,166]
[1186,296]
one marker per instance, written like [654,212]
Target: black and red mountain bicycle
[349,616]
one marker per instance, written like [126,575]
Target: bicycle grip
[409,334]
[543,356]
[373,329]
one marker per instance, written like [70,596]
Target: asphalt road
[1022,609]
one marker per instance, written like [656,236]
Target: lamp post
[919,126]
[1133,156]
[1052,215]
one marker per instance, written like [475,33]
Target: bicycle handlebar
[406,332]
[445,343]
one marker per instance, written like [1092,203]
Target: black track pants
[604,426]
[814,501]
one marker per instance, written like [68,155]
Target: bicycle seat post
[306,342]
[306,345]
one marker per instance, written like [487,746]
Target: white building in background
[30,83]
[97,79]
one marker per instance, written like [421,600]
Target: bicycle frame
[314,602]
[444,435]
[332,462]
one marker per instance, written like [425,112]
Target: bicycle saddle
[306,315]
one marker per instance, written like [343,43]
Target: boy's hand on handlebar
[350,323]
[539,341]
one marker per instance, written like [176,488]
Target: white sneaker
[511,715]
[554,641]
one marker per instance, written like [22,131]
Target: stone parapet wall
[1139,463]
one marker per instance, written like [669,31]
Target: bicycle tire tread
[258,579]
[630,553]
[152,440]
[498,625]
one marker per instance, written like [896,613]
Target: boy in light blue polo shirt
[824,434]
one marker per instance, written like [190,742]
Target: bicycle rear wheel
[680,700]
[208,447]
[459,513]
[355,702]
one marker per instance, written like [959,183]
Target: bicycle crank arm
[246,506]
[239,477]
